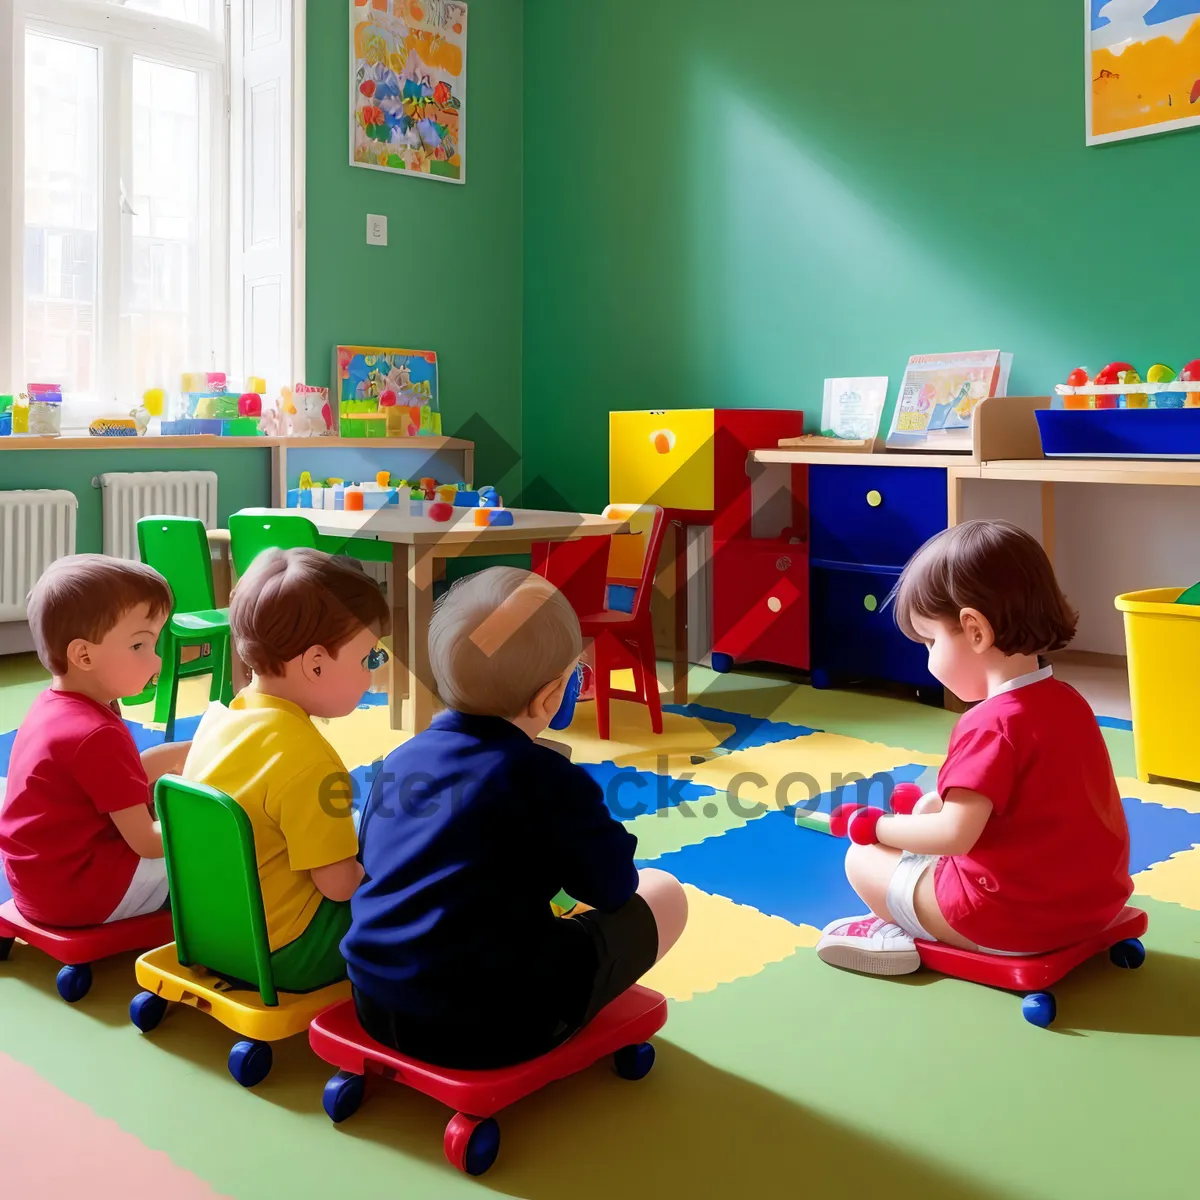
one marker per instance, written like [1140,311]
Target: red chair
[77,949]
[623,633]
[1035,974]
[472,1138]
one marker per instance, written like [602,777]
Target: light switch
[376,230]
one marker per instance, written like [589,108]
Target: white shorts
[147,891]
[901,896]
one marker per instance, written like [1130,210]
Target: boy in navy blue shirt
[472,827]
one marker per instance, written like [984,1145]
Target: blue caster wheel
[342,1096]
[819,678]
[1039,1009]
[471,1143]
[250,1062]
[634,1062]
[6,944]
[146,1011]
[74,983]
[722,663]
[1129,954]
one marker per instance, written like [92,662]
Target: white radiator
[129,496]
[36,527]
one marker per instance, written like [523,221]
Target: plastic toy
[1113,373]
[428,485]
[353,500]
[1191,374]
[113,427]
[77,949]
[45,409]
[249,405]
[256,383]
[1078,378]
[311,415]
[439,510]
[488,497]
[485,517]
[1036,974]
[209,845]
[383,479]
[472,1138]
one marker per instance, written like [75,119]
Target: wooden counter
[207,441]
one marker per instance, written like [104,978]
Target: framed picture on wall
[408,87]
[1143,67]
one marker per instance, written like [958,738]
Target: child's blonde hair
[497,638]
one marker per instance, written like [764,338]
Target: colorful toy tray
[1120,432]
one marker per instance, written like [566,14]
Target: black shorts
[590,960]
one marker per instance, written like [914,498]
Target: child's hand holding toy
[858,821]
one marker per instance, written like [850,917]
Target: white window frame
[128,34]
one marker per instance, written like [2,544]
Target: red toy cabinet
[760,602]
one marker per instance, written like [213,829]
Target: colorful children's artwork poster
[938,395]
[386,392]
[1143,67]
[408,87]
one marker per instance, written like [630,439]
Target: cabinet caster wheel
[472,1143]
[819,678]
[722,663]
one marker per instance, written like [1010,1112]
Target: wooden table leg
[420,612]
[680,664]
[410,693]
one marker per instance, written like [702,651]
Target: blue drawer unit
[855,635]
[876,516]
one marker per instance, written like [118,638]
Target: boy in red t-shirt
[1024,848]
[77,836]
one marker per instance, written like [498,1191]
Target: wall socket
[376,230]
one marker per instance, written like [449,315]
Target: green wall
[449,278]
[724,204]
[244,478]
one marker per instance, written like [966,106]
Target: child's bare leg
[667,901]
[869,870]
[930,915]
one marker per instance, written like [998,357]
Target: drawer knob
[870,603]
[783,563]
[874,498]
[774,603]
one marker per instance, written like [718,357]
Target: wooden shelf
[208,442]
[833,458]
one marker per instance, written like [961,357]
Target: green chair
[220,961]
[177,547]
[254,530]
[212,871]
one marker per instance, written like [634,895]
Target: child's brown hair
[84,596]
[291,600]
[996,568]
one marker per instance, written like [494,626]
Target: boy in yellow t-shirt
[307,624]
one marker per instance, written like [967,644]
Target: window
[153,240]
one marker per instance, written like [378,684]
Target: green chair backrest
[216,901]
[177,548]
[251,532]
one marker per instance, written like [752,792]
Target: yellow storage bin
[664,458]
[1163,642]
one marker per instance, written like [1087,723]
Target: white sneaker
[869,945]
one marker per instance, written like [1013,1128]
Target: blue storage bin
[1120,432]
[854,635]
[873,515]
